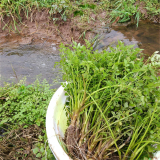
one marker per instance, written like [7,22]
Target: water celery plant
[113,103]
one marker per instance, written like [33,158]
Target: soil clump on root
[80,151]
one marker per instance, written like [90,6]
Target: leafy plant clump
[113,105]
[22,120]
[24,104]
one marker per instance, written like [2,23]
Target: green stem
[119,153]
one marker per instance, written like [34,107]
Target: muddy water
[28,60]
[31,59]
[146,36]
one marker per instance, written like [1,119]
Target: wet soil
[21,56]
[28,49]
[40,26]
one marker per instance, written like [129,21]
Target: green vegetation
[113,98]
[125,9]
[114,102]
[24,108]
[113,95]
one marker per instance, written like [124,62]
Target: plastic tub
[56,124]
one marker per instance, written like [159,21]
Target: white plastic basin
[56,124]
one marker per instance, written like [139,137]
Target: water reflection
[146,36]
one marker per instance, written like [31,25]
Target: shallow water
[28,60]
[32,59]
[146,36]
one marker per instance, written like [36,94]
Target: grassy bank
[121,10]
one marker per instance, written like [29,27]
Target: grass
[83,9]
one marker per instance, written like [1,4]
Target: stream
[146,36]
[34,60]
[28,60]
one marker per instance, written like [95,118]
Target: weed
[42,150]
[127,9]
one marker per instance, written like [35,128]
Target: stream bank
[20,57]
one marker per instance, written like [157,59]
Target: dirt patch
[39,26]
[19,143]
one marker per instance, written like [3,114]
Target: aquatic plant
[113,102]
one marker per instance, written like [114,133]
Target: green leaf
[35,150]
[150,149]
[38,155]
[4,121]
[126,104]
[147,77]
[42,149]
[158,147]
[25,126]
[78,13]
[142,99]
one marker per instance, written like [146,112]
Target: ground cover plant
[22,120]
[113,105]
